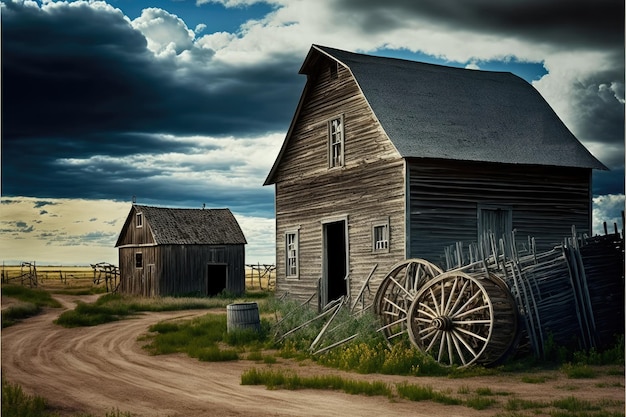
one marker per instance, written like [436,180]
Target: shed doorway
[216,278]
[335,261]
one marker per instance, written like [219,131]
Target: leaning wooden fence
[570,296]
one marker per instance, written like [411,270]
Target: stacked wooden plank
[571,296]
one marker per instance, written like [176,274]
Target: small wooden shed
[176,251]
[388,159]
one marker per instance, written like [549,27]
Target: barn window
[333,71]
[291,254]
[138,260]
[139,221]
[335,142]
[380,236]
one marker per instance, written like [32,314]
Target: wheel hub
[443,323]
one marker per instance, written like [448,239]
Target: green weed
[15,403]
[289,380]
[32,300]
[425,393]
[578,371]
[479,403]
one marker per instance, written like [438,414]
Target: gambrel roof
[183,226]
[434,111]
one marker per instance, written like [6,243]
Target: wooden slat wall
[180,269]
[368,189]
[546,202]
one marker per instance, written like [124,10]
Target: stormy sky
[181,103]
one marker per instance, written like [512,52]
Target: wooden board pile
[570,296]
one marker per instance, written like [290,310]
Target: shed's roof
[434,111]
[183,226]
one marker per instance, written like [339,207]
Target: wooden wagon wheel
[462,319]
[397,291]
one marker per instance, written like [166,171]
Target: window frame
[139,220]
[295,247]
[138,260]
[332,144]
[384,224]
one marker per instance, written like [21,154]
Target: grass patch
[578,371]
[575,404]
[534,379]
[425,393]
[516,404]
[205,338]
[16,403]
[32,300]
[112,307]
[15,313]
[478,402]
[292,381]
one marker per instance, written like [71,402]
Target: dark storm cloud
[598,23]
[79,82]
[76,71]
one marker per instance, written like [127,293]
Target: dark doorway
[216,278]
[335,260]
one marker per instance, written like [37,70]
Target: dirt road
[97,369]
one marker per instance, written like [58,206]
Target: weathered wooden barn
[175,251]
[388,159]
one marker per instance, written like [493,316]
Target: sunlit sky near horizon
[185,103]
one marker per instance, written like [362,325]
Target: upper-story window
[139,221]
[335,142]
[333,71]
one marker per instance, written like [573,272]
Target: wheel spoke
[396,305]
[465,322]
[468,302]
[423,320]
[464,342]
[443,294]
[459,298]
[431,329]
[472,334]
[441,347]
[434,339]
[417,279]
[430,313]
[458,348]
[474,310]
[449,343]
[451,296]
[434,298]
[400,286]
[386,326]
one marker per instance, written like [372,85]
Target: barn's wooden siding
[162,272]
[445,196]
[369,188]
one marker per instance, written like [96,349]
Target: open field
[54,277]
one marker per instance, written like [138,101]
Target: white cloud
[166,33]
[609,209]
